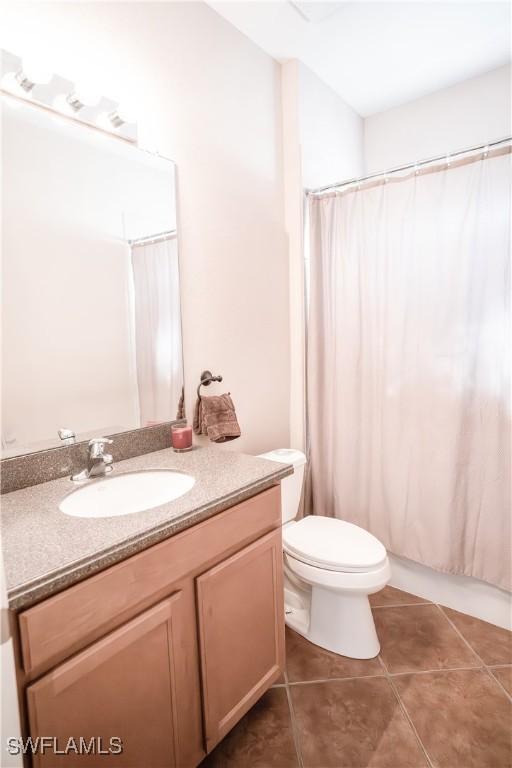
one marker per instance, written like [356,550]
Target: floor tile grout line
[485,667]
[405,713]
[409,719]
[295,729]
[401,605]
[293,721]
[499,683]
[498,666]
[459,633]
[322,680]
[437,669]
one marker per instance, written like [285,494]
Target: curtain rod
[150,239]
[447,157]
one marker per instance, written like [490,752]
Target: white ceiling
[377,55]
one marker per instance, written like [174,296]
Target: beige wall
[464,115]
[331,133]
[210,99]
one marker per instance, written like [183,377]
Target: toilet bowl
[330,568]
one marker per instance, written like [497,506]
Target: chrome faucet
[98,462]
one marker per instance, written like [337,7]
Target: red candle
[181,437]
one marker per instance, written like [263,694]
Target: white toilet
[330,568]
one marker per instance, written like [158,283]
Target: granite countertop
[46,551]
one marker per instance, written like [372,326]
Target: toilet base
[343,623]
[339,620]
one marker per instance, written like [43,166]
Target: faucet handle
[67,434]
[97,445]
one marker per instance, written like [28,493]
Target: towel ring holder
[206,379]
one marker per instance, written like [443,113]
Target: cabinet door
[241,626]
[121,686]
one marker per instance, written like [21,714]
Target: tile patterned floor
[438,696]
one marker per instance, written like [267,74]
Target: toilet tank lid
[285,456]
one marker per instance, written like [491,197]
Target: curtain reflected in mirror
[157,329]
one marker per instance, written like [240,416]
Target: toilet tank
[291,486]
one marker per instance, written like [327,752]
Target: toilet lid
[333,544]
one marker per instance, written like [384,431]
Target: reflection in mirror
[91,328]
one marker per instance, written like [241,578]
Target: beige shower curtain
[409,362]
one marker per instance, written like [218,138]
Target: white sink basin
[125,494]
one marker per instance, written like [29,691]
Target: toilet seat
[351,582]
[334,545]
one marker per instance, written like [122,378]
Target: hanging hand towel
[215,416]
[180,414]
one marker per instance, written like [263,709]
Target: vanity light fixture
[63,96]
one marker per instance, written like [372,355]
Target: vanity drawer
[70,620]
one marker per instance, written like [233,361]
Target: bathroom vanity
[163,645]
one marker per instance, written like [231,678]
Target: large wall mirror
[91,321]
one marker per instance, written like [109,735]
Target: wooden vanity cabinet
[123,686]
[240,607]
[196,639]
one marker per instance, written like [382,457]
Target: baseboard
[462,593]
